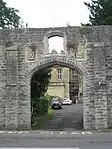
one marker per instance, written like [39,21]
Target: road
[95,140]
[70,117]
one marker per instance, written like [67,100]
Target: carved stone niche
[31,52]
[72,48]
[81,51]
[8,44]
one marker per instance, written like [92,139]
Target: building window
[73,72]
[59,74]
[74,75]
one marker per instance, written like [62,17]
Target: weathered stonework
[24,51]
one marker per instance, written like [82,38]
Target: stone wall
[25,51]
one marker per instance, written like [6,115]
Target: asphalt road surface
[70,117]
[96,140]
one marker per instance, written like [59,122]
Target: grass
[43,119]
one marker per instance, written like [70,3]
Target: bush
[40,107]
[49,98]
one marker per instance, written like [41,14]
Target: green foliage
[40,82]
[9,17]
[42,120]
[49,98]
[100,12]
[40,107]
[39,85]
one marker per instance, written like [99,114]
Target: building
[75,85]
[65,83]
[59,83]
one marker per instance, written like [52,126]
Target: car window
[55,100]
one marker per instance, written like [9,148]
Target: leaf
[9,17]
[100,12]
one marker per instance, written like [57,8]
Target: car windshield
[55,100]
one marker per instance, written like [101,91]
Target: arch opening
[63,90]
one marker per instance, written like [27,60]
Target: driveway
[70,117]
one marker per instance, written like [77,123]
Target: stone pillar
[2,86]
[11,95]
[88,90]
[108,62]
[24,99]
[24,109]
[101,118]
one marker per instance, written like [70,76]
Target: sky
[51,13]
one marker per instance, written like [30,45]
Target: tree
[9,17]
[40,82]
[100,12]
[39,85]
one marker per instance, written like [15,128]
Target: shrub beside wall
[40,107]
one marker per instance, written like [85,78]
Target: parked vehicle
[66,101]
[56,103]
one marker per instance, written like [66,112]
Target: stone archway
[23,52]
[25,120]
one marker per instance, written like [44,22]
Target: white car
[66,101]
